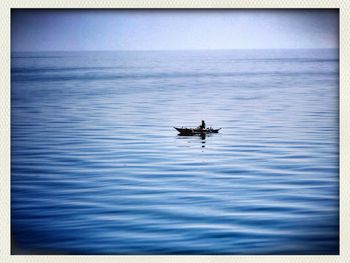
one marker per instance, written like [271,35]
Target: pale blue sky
[55,30]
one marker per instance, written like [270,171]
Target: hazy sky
[44,30]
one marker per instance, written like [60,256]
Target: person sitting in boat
[202,126]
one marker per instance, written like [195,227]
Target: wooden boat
[194,131]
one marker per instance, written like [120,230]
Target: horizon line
[144,50]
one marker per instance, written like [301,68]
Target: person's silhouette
[202,125]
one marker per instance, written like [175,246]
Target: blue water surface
[97,168]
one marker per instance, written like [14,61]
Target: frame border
[344,123]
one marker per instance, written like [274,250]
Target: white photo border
[344,125]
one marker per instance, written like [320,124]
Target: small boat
[195,131]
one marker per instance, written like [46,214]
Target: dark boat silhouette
[195,131]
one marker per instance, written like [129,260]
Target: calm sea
[97,167]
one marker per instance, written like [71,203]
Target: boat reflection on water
[201,136]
